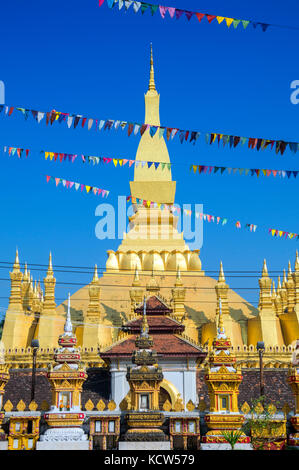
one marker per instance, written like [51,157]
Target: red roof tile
[167,345]
[154,305]
[159,323]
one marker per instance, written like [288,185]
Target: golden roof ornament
[221,273]
[152,85]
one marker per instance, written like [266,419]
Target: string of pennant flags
[150,204]
[178,13]
[70,184]
[209,218]
[201,169]
[134,128]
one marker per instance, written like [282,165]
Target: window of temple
[15,443]
[30,443]
[191,426]
[64,399]
[29,427]
[111,426]
[223,402]
[144,402]
[17,426]
[98,426]
[178,426]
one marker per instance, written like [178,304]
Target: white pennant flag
[101,124]
[90,122]
[136,6]
[69,121]
[77,185]
[40,116]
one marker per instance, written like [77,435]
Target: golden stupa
[152,251]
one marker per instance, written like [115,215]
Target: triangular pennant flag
[162,11]
[210,18]
[220,19]
[245,23]
[229,21]
[200,16]
[235,23]
[171,11]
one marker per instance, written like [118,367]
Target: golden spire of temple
[136,281]
[221,273]
[297,261]
[265,270]
[50,267]
[95,275]
[284,278]
[220,321]
[16,266]
[152,85]
[289,271]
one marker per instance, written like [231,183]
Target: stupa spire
[221,273]
[95,275]
[265,270]
[68,327]
[152,85]
[16,266]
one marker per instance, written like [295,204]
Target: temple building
[181,305]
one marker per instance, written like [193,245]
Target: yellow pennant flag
[280,233]
[220,136]
[46,155]
[115,161]
[88,188]
[264,172]
[195,168]
[273,232]
[220,19]
[291,235]
[57,115]
[51,155]
[148,203]
[133,200]
[214,137]
[120,162]
[229,21]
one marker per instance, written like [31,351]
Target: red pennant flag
[10,110]
[83,121]
[210,18]
[48,178]
[200,16]
[27,152]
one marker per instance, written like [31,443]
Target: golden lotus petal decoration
[111,405]
[21,406]
[89,405]
[190,405]
[8,406]
[101,405]
[167,405]
[33,406]
[245,408]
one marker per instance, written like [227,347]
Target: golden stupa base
[64,419]
[224,421]
[144,420]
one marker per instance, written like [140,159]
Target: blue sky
[78,58]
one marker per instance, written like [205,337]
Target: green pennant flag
[163,166]
[154,8]
[245,23]
[235,23]
[247,170]
[169,166]
[161,132]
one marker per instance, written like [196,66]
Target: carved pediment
[223,387]
[223,370]
[144,386]
[66,384]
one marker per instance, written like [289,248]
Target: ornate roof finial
[278,284]
[95,275]
[16,266]
[144,326]
[50,267]
[289,271]
[152,85]
[221,331]
[297,261]
[221,273]
[265,269]
[68,327]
